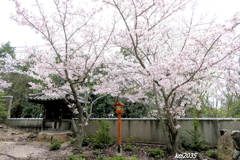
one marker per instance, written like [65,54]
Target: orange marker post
[119,111]
[119,132]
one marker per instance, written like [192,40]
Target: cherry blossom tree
[3,84]
[167,57]
[6,66]
[76,40]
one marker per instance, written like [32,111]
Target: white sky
[20,36]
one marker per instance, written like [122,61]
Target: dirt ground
[21,145]
[16,144]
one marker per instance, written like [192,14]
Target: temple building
[57,113]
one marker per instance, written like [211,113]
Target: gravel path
[16,150]
[19,150]
[16,145]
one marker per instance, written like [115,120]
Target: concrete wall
[32,124]
[148,130]
[143,130]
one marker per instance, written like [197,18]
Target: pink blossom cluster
[4,84]
[6,66]
[147,51]
[179,57]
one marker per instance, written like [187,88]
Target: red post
[119,111]
[119,132]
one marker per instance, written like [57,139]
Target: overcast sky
[20,36]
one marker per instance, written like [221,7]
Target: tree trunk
[77,148]
[173,131]
[79,128]
[160,116]
[168,125]
[79,133]
[173,135]
[174,143]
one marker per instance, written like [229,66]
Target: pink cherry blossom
[148,52]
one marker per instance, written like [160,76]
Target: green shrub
[55,146]
[122,158]
[102,138]
[196,137]
[128,147]
[184,143]
[97,152]
[78,157]
[212,154]
[156,153]
[3,110]
[130,139]
[86,141]
[73,141]
[84,156]
[101,158]
[117,158]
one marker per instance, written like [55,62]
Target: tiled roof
[43,97]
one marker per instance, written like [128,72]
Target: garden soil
[16,144]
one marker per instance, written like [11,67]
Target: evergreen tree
[19,88]
[3,110]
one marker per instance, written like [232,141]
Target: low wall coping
[142,119]
[6,97]
[11,119]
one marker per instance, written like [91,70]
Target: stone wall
[148,130]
